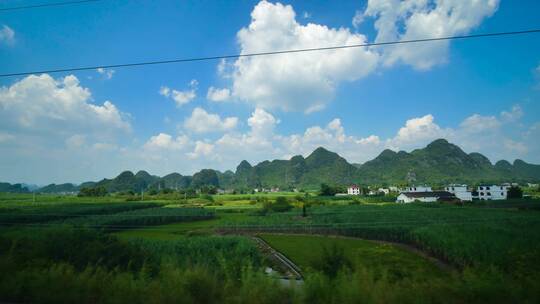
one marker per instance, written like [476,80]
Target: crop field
[508,238]
[141,218]
[130,247]
[306,251]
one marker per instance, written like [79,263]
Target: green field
[306,251]
[109,250]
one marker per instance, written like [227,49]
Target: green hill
[13,188]
[438,163]
[60,188]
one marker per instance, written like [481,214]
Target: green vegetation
[506,238]
[75,211]
[142,217]
[155,251]
[330,254]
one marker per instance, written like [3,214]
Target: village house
[460,191]
[384,190]
[353,190]
[492,192]
[425,197]
[417,189]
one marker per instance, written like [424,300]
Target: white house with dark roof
[460,191]
[353,190]
[425,197]
[492,192]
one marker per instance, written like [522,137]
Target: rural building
[417,189]
[425,197]
[460,191]
[384,190]
[353,190]
[393,188]
[492,192]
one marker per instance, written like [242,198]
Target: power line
[195,59]
[46,5]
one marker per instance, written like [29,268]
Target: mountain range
[440,162]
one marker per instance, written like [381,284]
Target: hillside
[61,188]
[440,162]
[13,188]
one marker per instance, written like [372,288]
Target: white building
[384,190]
[417,189]
[425,197]
[393,188]
[353,190]
[492,192]
[460,191]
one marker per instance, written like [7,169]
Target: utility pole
[142,194]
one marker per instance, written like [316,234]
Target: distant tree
[515,192]
[281,205]
[327,190]
[93,191]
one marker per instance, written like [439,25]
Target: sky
[481,94]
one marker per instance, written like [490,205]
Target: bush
[281,205]
[515,192]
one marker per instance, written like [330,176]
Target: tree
[327,190]
[93,191]
[515,192]
[281,205]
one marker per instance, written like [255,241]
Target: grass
[306,251]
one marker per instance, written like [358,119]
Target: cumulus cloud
[202,149]
[295,82]
[201,121]
[215,94]
[106,73]
[7,35]
[43,105]
[167,142]
[414,19]
[181,97]
[52,131]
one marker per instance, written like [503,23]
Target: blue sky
[481,94]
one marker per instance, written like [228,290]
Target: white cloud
[416,132]
[513,115]
[165,91]
[7,35]
[295,82]
[202,149]
[167,142]
[180,97]
[477,123]
[306,15]
[201,121]
[107,73]
[357,19]
[215,94]
[43,105]
[414,19]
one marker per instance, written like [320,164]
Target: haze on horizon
[480,94]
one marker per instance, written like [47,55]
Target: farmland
[161,250]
